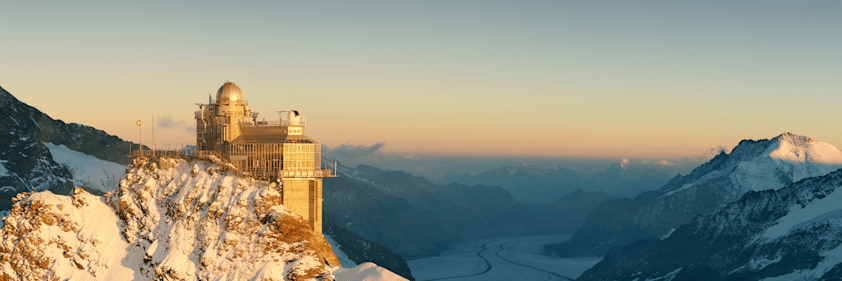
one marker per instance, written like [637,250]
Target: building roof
[229,92]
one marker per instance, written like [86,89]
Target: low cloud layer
[166,123]
[352,151]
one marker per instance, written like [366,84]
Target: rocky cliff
[786,234]
[169,219]
[26,163]
[752,165]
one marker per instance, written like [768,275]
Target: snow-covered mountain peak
[798,140]
[795,148]
[767,164]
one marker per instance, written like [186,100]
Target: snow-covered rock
[366,272]
[88,171]
[752,165]
[170,219]
[791,233]
[28,165]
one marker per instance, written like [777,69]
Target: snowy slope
[751,166]
[788,158]
[169,219]
[88,171]
[366,272]
[787,234]
[28,165]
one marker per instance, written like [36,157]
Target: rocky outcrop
[170,219]
[752,165]
[26,164]
[786,234]
[360,250]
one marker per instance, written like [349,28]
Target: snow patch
[818,210]
[366,271]
[3,171]
[88,171]
[667,277]
[831,259]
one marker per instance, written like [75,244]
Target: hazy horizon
[600,79]
[435,167]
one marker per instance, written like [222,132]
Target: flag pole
[140,139]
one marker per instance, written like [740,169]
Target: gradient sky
[604,79]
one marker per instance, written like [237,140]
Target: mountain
[567,214]
[27,163]
[360,251]
[621,179]
[413,217]
[791,233]
[752,165]
[531,185]
[169,219]
[526,183]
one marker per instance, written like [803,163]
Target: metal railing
[281,123]
[174,153]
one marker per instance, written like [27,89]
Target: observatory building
[275,150]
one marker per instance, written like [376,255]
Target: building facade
[277,150]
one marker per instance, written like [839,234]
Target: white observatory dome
[229,93]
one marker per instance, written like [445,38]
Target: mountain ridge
[789,233]
[710,186]
[170,219]
[28,165]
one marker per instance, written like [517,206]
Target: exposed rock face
[26,164]
[752,165]
[170,219]
[788,234]
[361,250]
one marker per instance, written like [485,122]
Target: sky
[495,79]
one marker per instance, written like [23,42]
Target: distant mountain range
[412,216]
[531,185]
[751,166]
[791,233]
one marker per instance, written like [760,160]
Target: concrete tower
[276,151]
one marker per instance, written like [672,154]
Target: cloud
[167,123]
[349,151]
[716,150]
[662,162]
